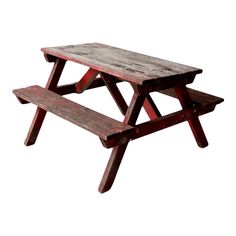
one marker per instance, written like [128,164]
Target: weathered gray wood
[105,127]
[130,66]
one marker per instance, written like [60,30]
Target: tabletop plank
[127,65]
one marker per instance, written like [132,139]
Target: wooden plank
[130,66]
[198,98]
[99,124]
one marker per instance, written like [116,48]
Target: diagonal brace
[86,80]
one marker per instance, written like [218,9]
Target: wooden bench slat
[199,98]
[105,127]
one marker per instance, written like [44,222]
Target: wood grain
[129,66]
[105,127]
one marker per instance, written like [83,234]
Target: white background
[166,184]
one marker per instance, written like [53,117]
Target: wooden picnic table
[107,67]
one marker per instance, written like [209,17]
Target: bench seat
[108,129]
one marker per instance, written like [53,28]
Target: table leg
[148,104]
[40,113]
[112,167]
[151,108]
[194,123]
[115,92]
[117,154]
[134,108]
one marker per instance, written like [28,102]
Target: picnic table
[108,66]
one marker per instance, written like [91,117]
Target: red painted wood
[40,114]
[148,105]
[118,151]
[198,98]
[129,66]
[55,74]
[50,58]
[146,74]
[164,122]
[151,108]
[109,81]
[65,89]
[35,127]
[86,80]
[134,108]
[112,168]
[98,82]
[194,123]
[99,124]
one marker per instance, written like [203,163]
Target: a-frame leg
[194,123]
[148,104]
[118,151]
[86,80]
[112,167]
[151,108]
[40,113]
[115,92]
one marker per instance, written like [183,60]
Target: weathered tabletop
[130,66]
